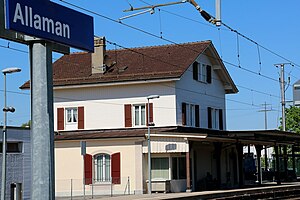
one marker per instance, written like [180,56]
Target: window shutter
[221,127]
[208,74]
[88,169]
[183,113]
[197,116]
[195,70]
[116,168]
[128,116]
[80,117]
[151,113]
[60,119]
[209,119]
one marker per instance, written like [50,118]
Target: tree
[27,124]
[292,119]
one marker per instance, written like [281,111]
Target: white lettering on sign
[39,22]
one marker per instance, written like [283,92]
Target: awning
[170,143]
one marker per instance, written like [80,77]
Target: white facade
[104,104]
[104,109]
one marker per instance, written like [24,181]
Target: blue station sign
[51,21]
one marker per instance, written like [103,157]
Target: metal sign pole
[42,137]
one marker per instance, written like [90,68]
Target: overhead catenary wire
[250,89]
[175,43]
[135,51]
[261,46]
[233,30]
[157,36]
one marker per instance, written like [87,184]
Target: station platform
[268,190]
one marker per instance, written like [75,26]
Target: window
[160,168]
[12,147]
[71,115]
[215,118]
[179,168]
[297,87]
[191,115]
[139,115]
[202,72]
[190,121]
[102,168]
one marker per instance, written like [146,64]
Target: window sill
[102,183]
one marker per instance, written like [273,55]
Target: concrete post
[258,152]
[277,165]
[42,121]
[188,173]
[239,148]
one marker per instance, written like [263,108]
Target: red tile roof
[145,63]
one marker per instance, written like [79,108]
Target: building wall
[296,94]
[104,106]
[69,165]
[199,93]
[18,164]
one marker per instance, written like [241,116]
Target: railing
[74,188]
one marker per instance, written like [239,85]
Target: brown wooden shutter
[209,117]
[151,113]
[88,169]
[116,168]
[221,126]
[128,116]
[195,70]
[60,118]
[183,109]
[197,116]
[208,74]
[80,117]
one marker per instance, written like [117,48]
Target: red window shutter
[80,117]
[128,116]
[60,118]
[88,169]
[183,113]
[197,116]
[151,113]
[116,168]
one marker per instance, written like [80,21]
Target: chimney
[98,57]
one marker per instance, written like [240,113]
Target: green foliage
[27,124]
[292,119]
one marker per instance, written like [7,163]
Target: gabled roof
[136,64]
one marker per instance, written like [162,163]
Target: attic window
[202,72]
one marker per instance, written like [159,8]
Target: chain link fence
[79,189]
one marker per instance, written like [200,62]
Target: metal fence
[77,189]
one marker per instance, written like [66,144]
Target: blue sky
[272,24]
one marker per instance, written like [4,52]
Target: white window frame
[169,168]
[102,179]
[72,110]
[190,115]
[140,123]
[215,118]
[202,72]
